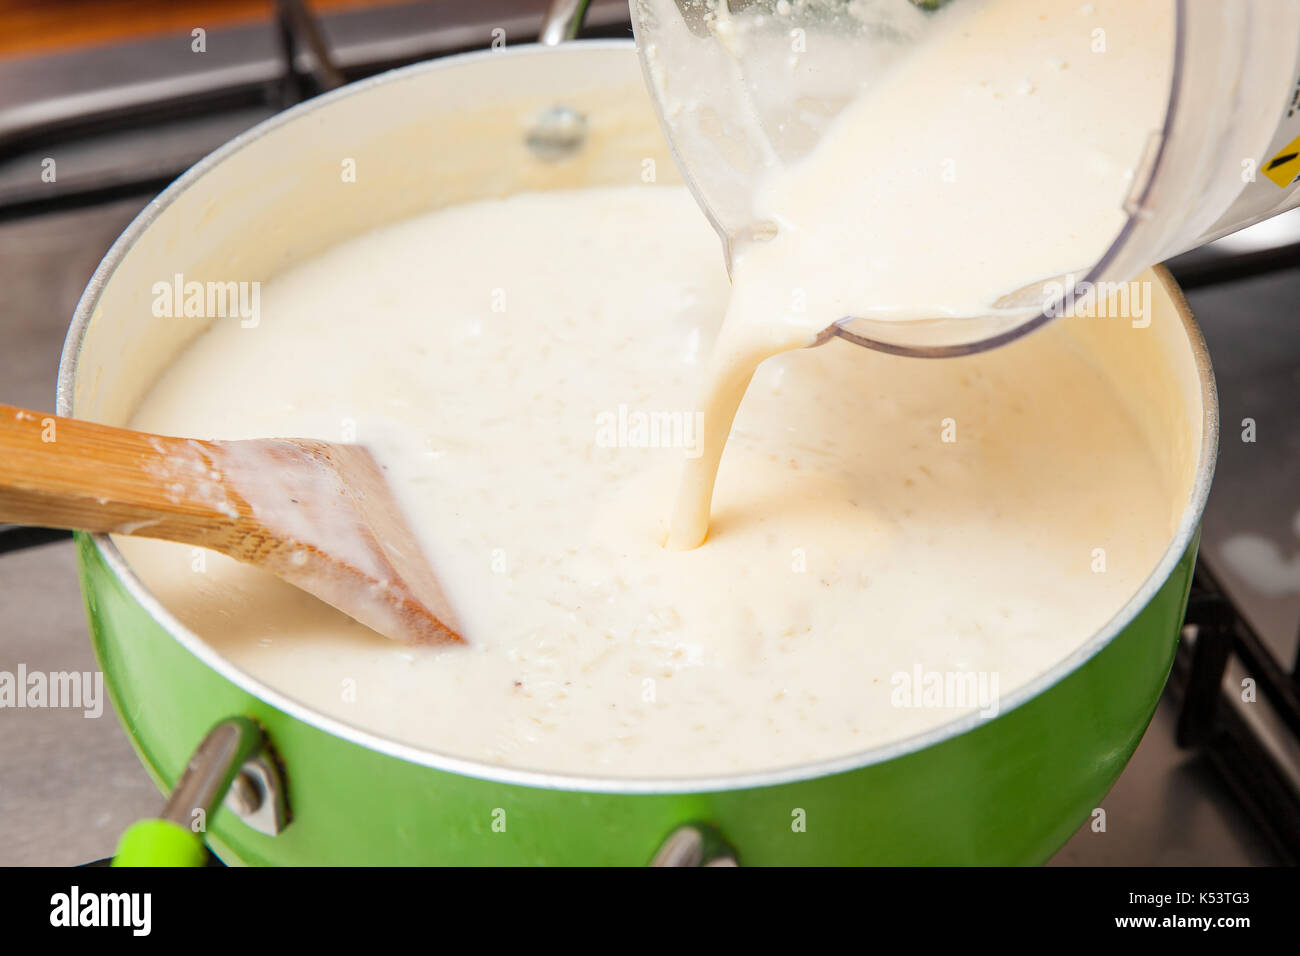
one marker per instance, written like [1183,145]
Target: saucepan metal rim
[113,558]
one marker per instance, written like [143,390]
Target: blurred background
[104,102]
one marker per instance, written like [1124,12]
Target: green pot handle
[234,752]
[160,843]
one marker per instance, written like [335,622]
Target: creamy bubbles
[845,549]
[875,521]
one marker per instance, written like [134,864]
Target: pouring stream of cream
[996,155]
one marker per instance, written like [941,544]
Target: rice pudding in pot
[526,369]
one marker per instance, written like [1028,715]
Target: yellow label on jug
[1285,166]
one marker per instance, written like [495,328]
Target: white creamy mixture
[994,156]
[503,376]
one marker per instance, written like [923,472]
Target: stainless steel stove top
[70,784]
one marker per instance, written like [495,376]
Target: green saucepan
[1007,790]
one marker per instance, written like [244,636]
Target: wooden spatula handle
[321,516]
[67,473]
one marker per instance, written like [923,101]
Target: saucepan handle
[562,22]
[558,133]
[695,844]
[231,764]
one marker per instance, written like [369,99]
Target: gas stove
[1216,779]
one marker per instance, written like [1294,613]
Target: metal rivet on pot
[557,133]
[243,797]
[257,796]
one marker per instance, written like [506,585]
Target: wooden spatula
[317,514]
